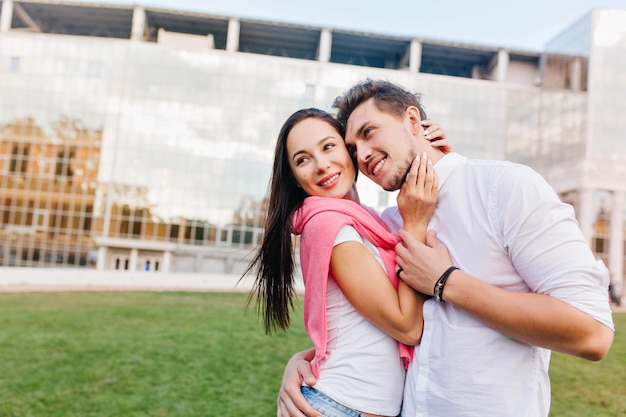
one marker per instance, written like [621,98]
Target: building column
[101,261]
[415,56]
[132,263]
[232,38]
[167,261]
[586,213]
[575,74]
[326,41]
[616,245]
[139,24]
[6,15]
[229,264]
[197,263]
[502,65]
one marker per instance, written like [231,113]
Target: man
[519,279]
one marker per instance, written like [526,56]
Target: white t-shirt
[502,223]
[362,368]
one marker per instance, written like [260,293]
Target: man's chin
[391,187]
[387,185]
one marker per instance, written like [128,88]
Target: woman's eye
[367,132]
[300,160]
[329,146]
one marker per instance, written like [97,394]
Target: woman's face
[319,159]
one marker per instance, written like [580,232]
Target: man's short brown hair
[388,97]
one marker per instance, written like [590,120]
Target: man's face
[384,144]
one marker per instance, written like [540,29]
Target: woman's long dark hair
[274,265]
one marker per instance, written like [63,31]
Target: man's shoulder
[490,163]
[500,167]
[505,178]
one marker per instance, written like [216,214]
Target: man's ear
[415,120]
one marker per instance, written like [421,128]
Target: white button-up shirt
[501,223]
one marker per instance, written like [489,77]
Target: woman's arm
[366,285]
[364,281]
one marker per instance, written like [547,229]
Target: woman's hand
[418,196]
[436,136]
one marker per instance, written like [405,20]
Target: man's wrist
[441,283]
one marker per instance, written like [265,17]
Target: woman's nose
[322,164]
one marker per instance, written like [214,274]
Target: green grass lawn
[194,354]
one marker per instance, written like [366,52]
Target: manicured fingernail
[424,156]
[426,132]
[430,162]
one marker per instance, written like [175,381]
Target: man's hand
[291,402]
[423,264]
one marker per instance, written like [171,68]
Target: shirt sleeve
[347,233]
[545,244]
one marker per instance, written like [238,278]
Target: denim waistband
[326,405]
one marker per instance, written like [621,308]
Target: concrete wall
[61,279]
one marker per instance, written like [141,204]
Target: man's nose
[363,152]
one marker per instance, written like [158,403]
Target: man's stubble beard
[401,172]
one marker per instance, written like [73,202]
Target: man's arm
[536,319]
[291,402]
[566,307]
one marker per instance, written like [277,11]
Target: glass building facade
[594,181]
[144,140]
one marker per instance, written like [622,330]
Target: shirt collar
[447,164]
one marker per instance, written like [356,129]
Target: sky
[525,25]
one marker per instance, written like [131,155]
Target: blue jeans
[326,405]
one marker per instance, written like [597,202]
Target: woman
[356,310]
